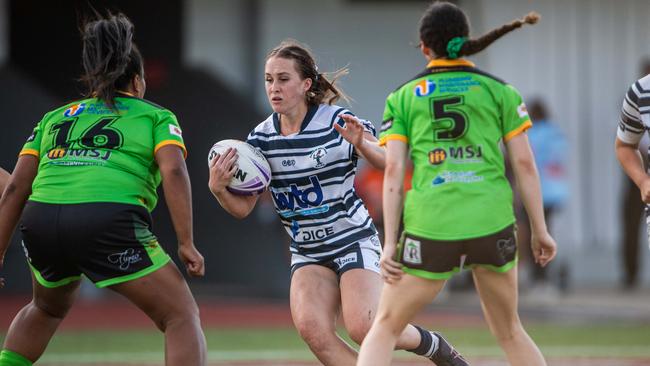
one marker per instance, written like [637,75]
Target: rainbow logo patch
[424,88]
[74,110]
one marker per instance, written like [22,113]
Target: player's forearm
[393,200]
[373,154]
[631,161]
[237,206]
[178,195]
[530,191]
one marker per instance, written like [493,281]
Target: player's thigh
[498,293]
[314,297]
[402,300]
[163,295]
[360,291]
[55,301]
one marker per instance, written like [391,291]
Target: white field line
[301,355]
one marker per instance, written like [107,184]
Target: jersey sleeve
[33,144]
[515,119]
[168,132]
[630,126]
[393,126]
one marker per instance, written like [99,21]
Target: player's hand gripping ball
[253,173]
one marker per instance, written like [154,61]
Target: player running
[92,168]
[452,119]
[312,147]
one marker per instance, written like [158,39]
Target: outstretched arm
[365,143]
[523,165]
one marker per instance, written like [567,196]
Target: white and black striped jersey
[635,116]
[312,182]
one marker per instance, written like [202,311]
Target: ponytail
[472,46]
[444,28]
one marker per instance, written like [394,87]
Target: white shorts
[363,254]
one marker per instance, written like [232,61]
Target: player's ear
[426,51]
[307,84]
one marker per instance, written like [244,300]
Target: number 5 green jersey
[90,153]
[453,117]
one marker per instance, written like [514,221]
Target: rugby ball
[253,174]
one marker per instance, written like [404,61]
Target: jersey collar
[443,62]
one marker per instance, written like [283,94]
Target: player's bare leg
[34,325]
[165,297]
[315,299]
[498,292]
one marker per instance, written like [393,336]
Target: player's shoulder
[641,86]
[326,115]
[264,129]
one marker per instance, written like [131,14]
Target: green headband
[454,45]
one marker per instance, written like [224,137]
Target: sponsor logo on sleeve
[522,111]
[175,130]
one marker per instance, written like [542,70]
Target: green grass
[254,344]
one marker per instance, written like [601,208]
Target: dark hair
[443,21]
[110,58]
[322,90]
[537,110]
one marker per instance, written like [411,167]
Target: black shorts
[439,259]
[109,243]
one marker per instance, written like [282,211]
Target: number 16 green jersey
[89,152]
[453,117]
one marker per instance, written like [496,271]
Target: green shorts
[109,243]
[439,260]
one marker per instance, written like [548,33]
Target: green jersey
[454,117]
[89,152]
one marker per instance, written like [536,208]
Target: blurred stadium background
[204,61]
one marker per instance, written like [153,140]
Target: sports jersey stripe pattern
[312,182]
[635,114]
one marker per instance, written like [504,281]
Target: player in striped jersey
[312,147]
[635,120]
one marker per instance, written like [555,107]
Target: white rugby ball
[253,174]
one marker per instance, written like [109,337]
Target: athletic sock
[8,358]
[428,343]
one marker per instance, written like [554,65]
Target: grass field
[611,345]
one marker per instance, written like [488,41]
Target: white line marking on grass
[305,355]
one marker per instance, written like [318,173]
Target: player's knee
[507,332]
[58,309]
[316,334]
[179,316]
[358,331]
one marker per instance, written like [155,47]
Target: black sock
[426,341]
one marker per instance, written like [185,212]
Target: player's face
[285,88]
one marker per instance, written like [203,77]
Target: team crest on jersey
[412,251]
[318,155]
[74,110]
[424,88]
